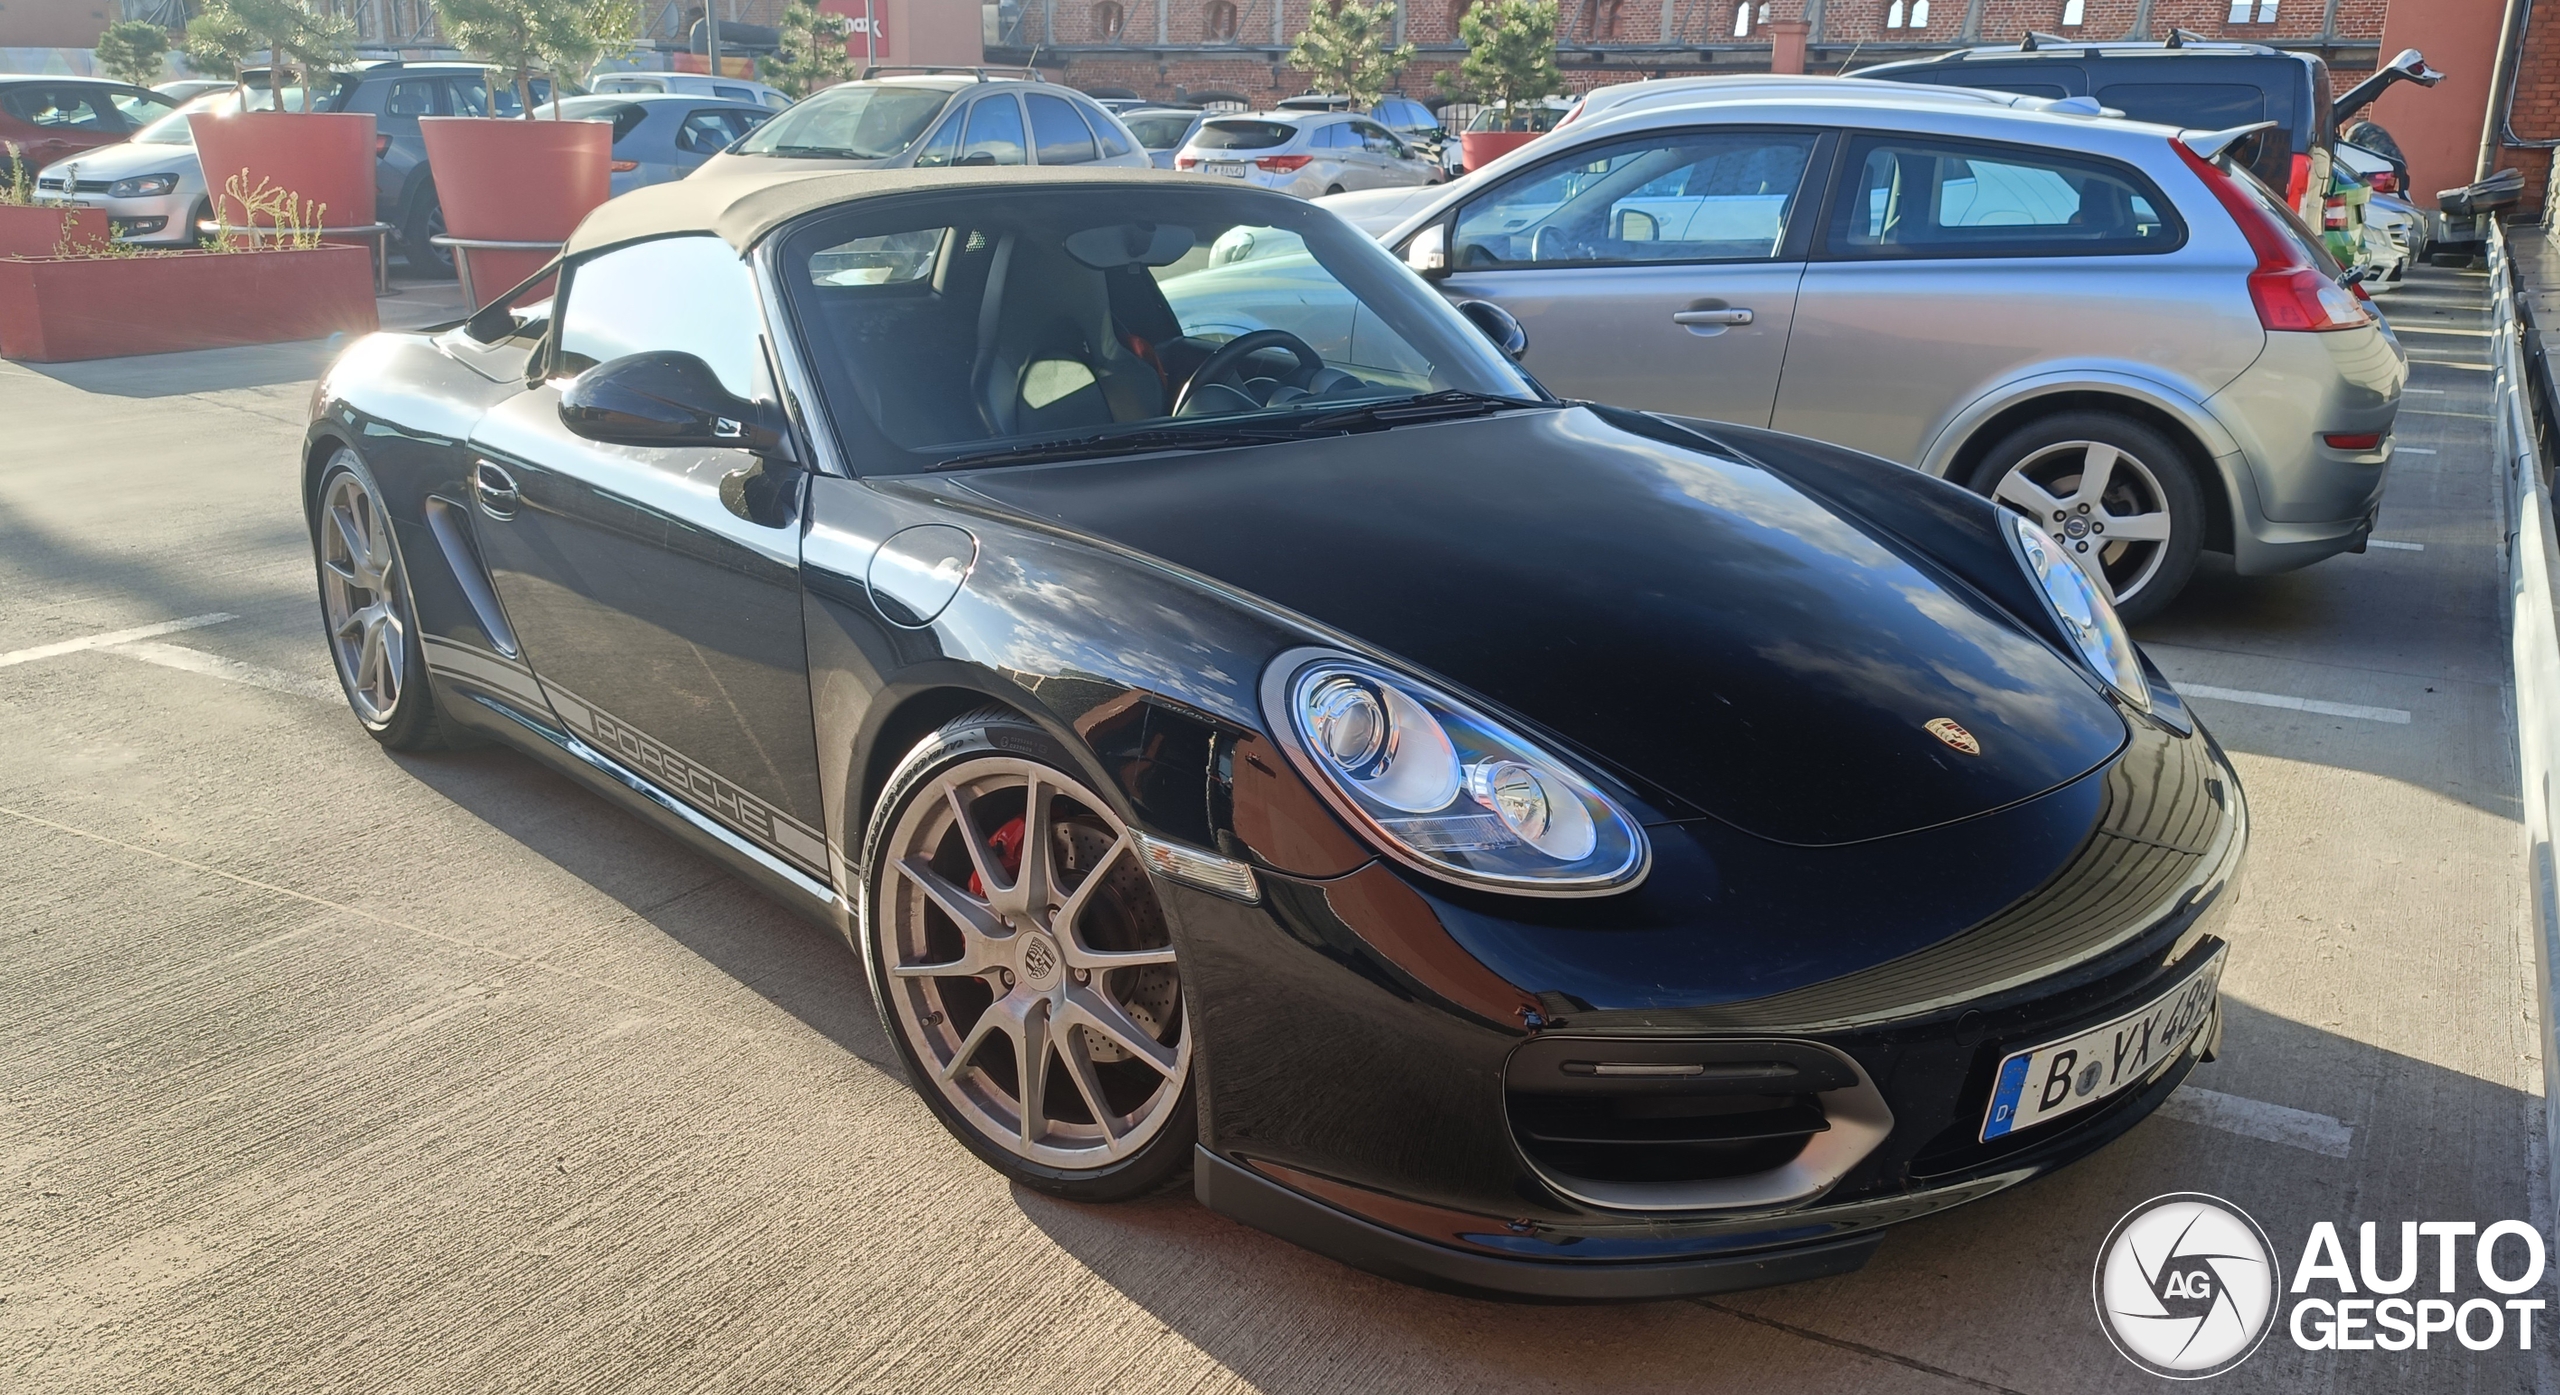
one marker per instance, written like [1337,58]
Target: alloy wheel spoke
[2018,491]
[359,553]
[1028,895]
[1103,960]
[976,919]
[1097,1013]
[1031,1067]
[345,572]
[2097,471]
[986,1025]
[2138,527]
[982,859]
[1079,1062]
[1067,923]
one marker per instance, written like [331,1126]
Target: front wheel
[2115,494]
[1024,967]
[370,618]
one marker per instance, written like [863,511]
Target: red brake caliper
[1007,841]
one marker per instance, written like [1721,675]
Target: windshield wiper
[1119,443]
[1430,406]
[813,152]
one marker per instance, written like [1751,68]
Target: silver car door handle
[1711,317]
[495,488]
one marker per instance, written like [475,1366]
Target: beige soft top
[743,205]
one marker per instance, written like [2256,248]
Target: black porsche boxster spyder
[1245,725]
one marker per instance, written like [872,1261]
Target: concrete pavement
[326,1070]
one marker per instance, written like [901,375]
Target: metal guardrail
[379,234]
[2533,595]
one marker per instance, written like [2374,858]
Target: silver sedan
[660,136]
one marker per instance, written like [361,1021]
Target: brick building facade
[1234,49]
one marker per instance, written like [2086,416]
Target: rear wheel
[426,223]
[370,617]
[1024,967]
[2115,494]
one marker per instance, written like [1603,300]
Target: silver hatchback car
[2110,327]
[1308,154]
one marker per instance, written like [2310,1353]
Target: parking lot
[331,1070]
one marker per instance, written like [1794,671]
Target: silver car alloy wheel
[2102,504]
[362,598]
[1029,964]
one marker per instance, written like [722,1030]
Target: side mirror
[2412,66]
[1498,326]
[975,159]
[665,398]
[1427,252]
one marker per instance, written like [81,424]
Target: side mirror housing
[663,398]
[1427,251]
[1498,326]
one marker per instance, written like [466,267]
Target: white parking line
[2272,1123]
[2411,450]
[2449,363]
[2395,545]
[2438,329]
[2295,704]
[112,637]
[215,666]
[2431,392]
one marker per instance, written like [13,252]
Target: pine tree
[1511,55]
[133,50]
[1344,50]
[296,38]
[814,52]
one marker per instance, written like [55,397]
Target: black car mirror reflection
[664,398]
[1498,326]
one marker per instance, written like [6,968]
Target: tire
[1116,1116]
[426,222]
[2148,500]
[368,614]
[1333,189]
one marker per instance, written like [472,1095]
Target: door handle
[1735,316]
[496,490]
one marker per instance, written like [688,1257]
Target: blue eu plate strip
[2004,1097]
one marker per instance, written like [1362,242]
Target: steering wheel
[1553,244]
[1220,368]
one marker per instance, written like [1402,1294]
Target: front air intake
[1671,1124]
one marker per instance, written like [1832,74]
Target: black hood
[1697,624]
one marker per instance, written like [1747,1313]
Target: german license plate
[1232,168]
[2058,1077]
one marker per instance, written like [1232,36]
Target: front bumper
[164,220]
[1361,1091]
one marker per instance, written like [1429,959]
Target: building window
[2073,11]
[1221,21]
[1108,20]
[2240,11]
[1919,14]
[1742,19]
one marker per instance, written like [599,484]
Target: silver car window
[1061,135]
[995,132]
[1907,198]
[1678,196]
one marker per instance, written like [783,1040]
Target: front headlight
[1444,789]
[2084,611]
[142,186]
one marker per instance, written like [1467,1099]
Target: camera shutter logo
[2186,1285]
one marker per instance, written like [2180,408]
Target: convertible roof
[742,206]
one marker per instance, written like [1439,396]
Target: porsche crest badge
[1948,730]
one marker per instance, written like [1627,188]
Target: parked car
[47,118]
[937,121]
[1162,131]
[1305,153]
[659,136]
[151,186]
[691,85]
[2195,84]
[1656,855]
[184,90]
[2100,323]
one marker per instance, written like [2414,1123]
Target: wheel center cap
[2078,527]
[1040,960]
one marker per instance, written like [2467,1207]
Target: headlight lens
[2084,611]
[1445,789]
[142,186]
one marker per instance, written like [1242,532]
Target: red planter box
[325,158]
[506,180]
[57,310]
[1482,148]
[34,230]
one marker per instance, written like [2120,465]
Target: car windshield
[173,129]
[1021,320]
[1156,132]
[863,121]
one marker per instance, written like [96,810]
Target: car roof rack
[1025,73]
[2035,42]
[2180,38]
